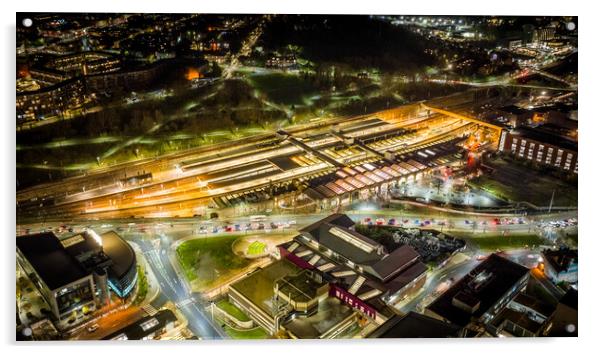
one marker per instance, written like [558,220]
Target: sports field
[256,248]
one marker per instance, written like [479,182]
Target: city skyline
[223,176]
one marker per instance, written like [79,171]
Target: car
[93,328]
[392,222]
[427,222]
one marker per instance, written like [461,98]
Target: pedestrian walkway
[149,309]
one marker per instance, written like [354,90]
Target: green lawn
[256,248]
[142,286]
[285,89]
[204,260]
[491,243]
[255,333]
[232,310]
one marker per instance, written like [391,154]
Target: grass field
[142,286]
[232,310]
[283,88]
[204,260]
[491,243]
[256,248]
[255,333]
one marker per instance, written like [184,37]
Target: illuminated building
[50,100]
[146,328]
[282,296]
[482,294]
[560,265]
[282,62]
[540,147]
[73,274]
[361,273]
[328,268]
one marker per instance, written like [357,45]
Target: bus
[257,218]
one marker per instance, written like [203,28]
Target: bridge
[554,77]
[496,128]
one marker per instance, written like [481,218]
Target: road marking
[149,309]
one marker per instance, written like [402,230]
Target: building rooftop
[560,259]
[258,287]
[341,220]
[51,261]
[120,252]
[474,294]
[331,312]
[415,325]
[347,242]
[300,287]
[144,327]
[62,261]
[520,319]
[536,305]
[393,263]
[382,271]
[546,138]
[570,299]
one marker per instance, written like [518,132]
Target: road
[155,238]
[176,290]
